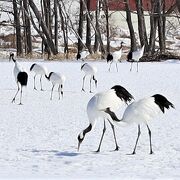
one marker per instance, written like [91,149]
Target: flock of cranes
[102,105]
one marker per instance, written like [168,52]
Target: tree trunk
[131,29]
[106,11]
[27,29]
[178,4]
[161,27]
[154,24]
[56,24]
[88,28]
[141,24]
[18,29]
[44,27]
[64,28]
[80,28]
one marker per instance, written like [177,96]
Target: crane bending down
[21,77]
[114,57]
[91,71]
[59,79]
[38,70]
[135,56]
[142,111]
[113,98]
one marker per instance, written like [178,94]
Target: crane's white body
[17,68]
[89,70]
[117,55]
[38,70]
[136,55]
[101,101]
[57,78]
[141,111]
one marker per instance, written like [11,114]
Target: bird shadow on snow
[52,152]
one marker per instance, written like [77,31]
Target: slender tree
[141,24]
[18,29]
[44,28]
[80,28]
[88,28]
[106,12]
[27,28]
[130,25]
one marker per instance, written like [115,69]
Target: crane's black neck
[87,129]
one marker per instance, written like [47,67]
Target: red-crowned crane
[21,77]
[113,98]
[142,111]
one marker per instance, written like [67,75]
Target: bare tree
[88,28]
[80,28]
[178,4]
[153,29]
[106,12]
[18,29]
[141,24]
[130,25]
[161,27]
[56,23]
[27,27]
[44,28]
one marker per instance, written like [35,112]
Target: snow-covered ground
[39,138]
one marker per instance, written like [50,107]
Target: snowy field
[39,138]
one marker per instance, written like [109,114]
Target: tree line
[53,16]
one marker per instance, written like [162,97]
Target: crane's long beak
[96,83]
[79,143]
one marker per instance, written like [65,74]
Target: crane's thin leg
[116,67]
[139,132]
[83,84]
[13,100]
[110,65]
[112,126]
[151,151]
[137,66]
[21,96]
[131,66]
[35,82]
[90,84]
[98,150]
[52,91]
[41,83]
[59,88]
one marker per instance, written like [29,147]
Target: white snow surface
[38,140]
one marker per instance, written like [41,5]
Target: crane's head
[11,56]
[82,135]
[80,139]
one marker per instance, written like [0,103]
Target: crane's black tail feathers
[162,102]
[123,94]
[22,78]
[109,57]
